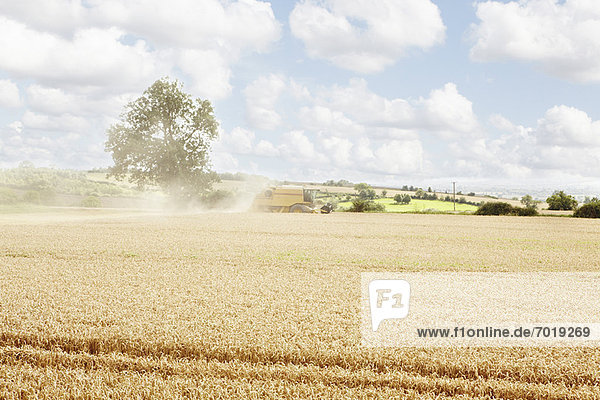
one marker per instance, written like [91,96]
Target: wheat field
[253,306]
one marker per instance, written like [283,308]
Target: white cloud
[366,36]
[261,99]
[299,91]
[17,126]
[264,148]
[116,45]
[209,73]
[356,109]
[62,123]
[448,111]
[58,16]
[93,57]
[327,120]
[358,102]
[233,26]
[352,128]
[352,132]
[359,155]
[501,123]
[363,151]
[339,150]
[9,94]
[563,38]
[296,146]
[51,100]
[241,140]
[565,140]
[383,158]
[17,148]
[225,162]
[55,101]
[57,148]
[568,126]
[399,157]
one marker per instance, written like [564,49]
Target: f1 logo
[389,299]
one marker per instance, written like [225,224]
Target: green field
[416,205]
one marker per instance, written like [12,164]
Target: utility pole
[454,194]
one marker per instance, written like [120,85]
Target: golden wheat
[262,306]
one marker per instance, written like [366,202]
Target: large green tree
[164,139]
[365,191]
[561,201]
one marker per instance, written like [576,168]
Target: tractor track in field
[168,361]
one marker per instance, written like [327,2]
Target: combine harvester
[293,199]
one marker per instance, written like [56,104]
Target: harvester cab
[295,199]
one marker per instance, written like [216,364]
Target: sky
[391,92]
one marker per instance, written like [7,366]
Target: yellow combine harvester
[293,199]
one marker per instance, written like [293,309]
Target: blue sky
[489,93]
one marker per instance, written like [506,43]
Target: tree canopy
[164,139]
[402,198]
[529,202]
[365,191]
[561,201]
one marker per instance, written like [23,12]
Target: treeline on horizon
[43,184]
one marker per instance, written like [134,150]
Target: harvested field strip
[168,367]
[69,384]
[544,366]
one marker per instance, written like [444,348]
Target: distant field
[416,205]
[101,177]
[392,192]
[69,188]
[250,306]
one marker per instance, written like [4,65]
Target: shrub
[501,208]
[494,208]
[402,198]
[590,210]
[7,196]
[450,199]
[32,196]
[377,207]
[561,201]
[419,194]
[91,201]
[362,205]
[529,202]
[525,211]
